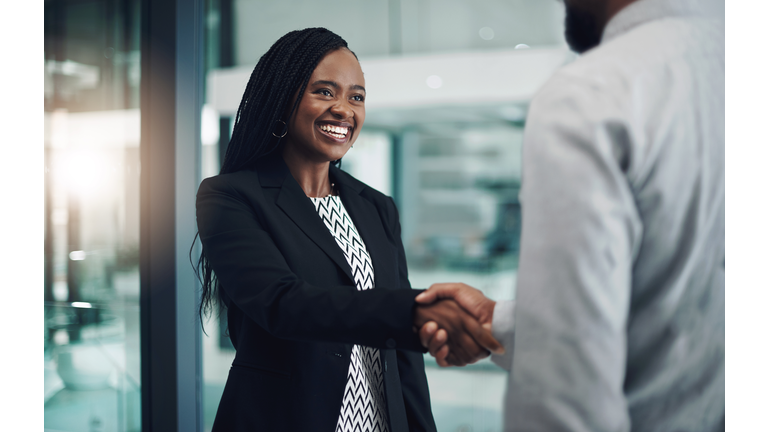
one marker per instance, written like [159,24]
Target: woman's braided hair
[264,113]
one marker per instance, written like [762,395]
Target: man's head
[585,21]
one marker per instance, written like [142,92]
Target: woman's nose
[342,110]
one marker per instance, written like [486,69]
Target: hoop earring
[285,129]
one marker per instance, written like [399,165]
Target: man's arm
[580,232]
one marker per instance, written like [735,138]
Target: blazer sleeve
[410,364]
[254,276]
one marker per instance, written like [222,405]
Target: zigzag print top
[364,407]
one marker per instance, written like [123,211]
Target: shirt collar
[643,11]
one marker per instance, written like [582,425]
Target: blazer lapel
[370,227]
[295,204]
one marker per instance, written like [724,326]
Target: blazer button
[391,344]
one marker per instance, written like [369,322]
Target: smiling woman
[290,245]
[327,121]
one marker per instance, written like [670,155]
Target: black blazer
[293,309]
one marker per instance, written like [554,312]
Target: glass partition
[398,27]
[91,289]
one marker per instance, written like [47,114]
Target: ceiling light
[434,81]
[486,33]
[77,255]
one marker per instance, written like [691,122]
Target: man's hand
[435,338]
[471,299]
[467,340]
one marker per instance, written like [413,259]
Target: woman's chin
[336,153]
[339,156]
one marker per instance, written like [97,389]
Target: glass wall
[448,88]
[395,27]
[91,289]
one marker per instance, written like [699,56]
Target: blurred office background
[139,104]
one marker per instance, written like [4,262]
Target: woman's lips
[339,134]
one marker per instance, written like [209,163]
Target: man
[619,316]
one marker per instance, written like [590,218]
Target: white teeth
[336,131]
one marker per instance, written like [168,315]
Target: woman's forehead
[341,66]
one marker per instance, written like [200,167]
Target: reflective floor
[114,407]
[93,383]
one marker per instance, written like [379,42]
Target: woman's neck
[310,175]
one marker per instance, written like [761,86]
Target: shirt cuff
[503,330]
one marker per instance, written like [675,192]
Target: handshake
[453,321]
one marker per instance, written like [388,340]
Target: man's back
[620,308]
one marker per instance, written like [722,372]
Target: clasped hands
[454,323]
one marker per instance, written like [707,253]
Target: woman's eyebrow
[325,82]
[336,85]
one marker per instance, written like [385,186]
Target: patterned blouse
[364,407]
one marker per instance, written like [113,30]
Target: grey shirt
[619,315]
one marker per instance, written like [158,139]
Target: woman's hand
[464,337]
[435,338]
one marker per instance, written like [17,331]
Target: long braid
[285,68]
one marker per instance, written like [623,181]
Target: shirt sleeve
[580,232]
[503,329]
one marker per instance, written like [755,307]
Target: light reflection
[60,290]
[84,172]
[434,81]
[209,126]
[82,305]
[60,216]
[486,33]
[61,337]
[77,255]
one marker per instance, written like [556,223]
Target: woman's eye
[359,98]
[325,92]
